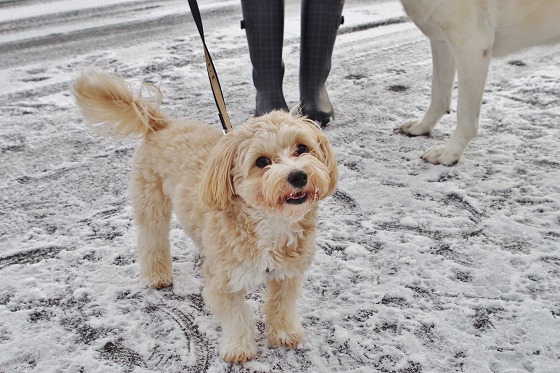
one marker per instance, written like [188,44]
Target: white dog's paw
[441,154]
[414,127]
[238,350]
[290,339]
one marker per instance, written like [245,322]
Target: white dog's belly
[505,25]
[522,24]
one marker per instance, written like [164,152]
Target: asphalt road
[27,40]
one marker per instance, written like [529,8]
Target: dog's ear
[216,186]
[328,154]
[330,161]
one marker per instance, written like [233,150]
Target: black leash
[212,75]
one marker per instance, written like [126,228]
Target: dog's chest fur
[280,251]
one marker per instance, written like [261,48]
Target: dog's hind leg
[473,60]
[238,343]
[442,84]
[152,213]
[282,321]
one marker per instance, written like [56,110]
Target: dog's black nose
[297,179]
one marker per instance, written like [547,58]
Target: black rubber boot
[320,20]
[264,25]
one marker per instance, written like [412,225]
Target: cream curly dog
[248,200]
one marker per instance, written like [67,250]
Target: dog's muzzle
[298,180]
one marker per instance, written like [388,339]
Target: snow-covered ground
[420,268]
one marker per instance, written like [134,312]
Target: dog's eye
[301,149]
[262,162]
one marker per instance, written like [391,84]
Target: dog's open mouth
[297,198]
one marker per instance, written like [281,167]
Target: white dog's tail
[109,100]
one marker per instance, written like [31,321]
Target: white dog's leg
[443,76]
[282,320]
[238,343]
[152,213]
[472,70]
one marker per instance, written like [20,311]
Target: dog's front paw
[441,154]
[290,339]
[158,281]
[238,351]
[414,127]
[156,273]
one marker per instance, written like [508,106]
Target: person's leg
[320,20]
[263,21]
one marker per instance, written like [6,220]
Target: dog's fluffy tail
[109,100]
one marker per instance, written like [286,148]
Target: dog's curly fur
[248,200]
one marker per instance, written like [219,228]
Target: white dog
[464,36]
[248,200]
